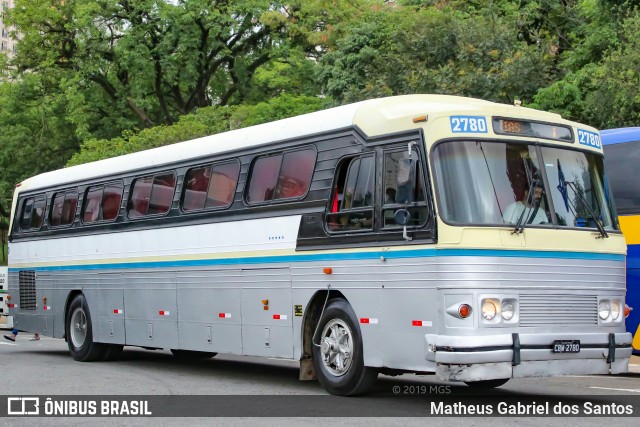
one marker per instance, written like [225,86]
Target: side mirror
[401,216]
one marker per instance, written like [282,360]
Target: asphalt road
[248,387]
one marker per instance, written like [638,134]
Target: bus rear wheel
[79,332]
[337,352]
[487,384]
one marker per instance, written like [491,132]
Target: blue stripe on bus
[350,256]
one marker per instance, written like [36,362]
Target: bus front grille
[27,285]
[550,309]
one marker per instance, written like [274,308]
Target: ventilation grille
[549,310]
[27,284]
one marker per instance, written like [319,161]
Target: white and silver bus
[411,234]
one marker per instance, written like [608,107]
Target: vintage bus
[412,234]
[622,157]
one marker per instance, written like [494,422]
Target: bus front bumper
[476,358]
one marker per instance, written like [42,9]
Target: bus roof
[620,135]
[374,117]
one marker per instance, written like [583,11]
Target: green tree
[203,122]
[34,134]
[146,62]
[603,92]
[449,49]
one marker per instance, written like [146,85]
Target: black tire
[192,355]
[487,384]
[340,380]
[80,333]
[112,352]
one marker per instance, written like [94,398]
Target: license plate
[572,346]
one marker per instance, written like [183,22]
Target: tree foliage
[149,60]
[205,121]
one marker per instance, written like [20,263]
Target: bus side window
[224,179]
[63,208]
[162,194]
[33,213]
[111,199]
[27,207]
[91,212]
[351,206]
[281,176]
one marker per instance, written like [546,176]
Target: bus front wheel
[337,352]
[79,332]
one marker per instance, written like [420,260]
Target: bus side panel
[151,309]
[267,312]
[45,287]
[109,316]
[209,310]
[410,311]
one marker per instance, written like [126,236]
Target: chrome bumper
[474,358]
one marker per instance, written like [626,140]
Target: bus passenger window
[37,216]
[33,213]
[63,208]
[161,194]
[351,206]
[281,176]
[196,184]
[295,174]
[91,211]
[152,195]
[140,197]
[69,207]
[27,207]
[102,202]
[211,186]
[111,200]
[56,209]
[224,178]
[263,178]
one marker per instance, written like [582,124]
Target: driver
[512,213]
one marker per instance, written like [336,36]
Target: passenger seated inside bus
[534,212]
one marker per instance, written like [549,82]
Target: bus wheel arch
[78,330]
[70,297]
[337,347]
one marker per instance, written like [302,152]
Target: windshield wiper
[522,221]
[603,232]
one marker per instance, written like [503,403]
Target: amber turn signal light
[464,310]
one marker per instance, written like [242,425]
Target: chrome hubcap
[337,347]
[78,329]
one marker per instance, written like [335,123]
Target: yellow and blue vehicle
[622,153]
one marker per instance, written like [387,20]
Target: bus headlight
[615,309]
[604,309]
[489,310]
[508,310]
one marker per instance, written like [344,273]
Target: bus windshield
[498,183]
